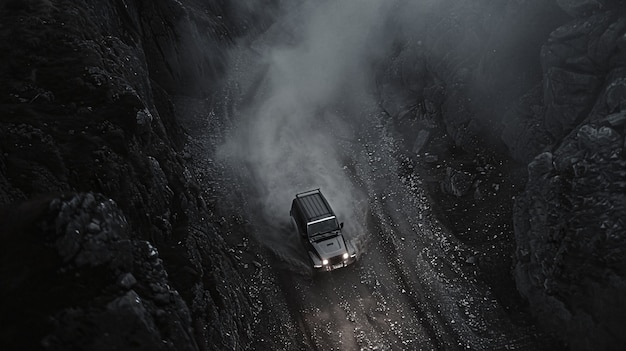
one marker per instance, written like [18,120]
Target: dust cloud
[318,59]
[318,64]
[313,77]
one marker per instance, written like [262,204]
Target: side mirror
[341,225]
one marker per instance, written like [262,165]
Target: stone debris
[457,182]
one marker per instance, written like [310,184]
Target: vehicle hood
[330,247]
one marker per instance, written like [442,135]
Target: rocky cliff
[569,221]
[106,235]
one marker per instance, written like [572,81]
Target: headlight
[345,256]
[324,262]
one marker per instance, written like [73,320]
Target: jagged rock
[575,62]
[572,240]
[85,104]
[78,270]
[570,236]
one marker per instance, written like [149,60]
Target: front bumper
[341,264]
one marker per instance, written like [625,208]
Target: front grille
[335,260]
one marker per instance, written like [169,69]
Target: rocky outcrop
[577,59]
[571,235]
[85,107]
[75,279]
[485,57]
[569,220]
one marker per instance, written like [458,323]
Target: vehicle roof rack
[314,205]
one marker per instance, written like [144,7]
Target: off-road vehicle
[317,225]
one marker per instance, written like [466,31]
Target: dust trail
[318,64]
[287,136]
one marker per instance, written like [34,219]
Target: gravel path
[414,286]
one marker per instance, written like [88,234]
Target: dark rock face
[571,254]
[85,106]
[83,283]
[485,57]
[568,222]
[575,60]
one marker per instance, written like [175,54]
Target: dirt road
[414,285]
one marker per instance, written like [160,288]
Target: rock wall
[569,221]
[571,254]
[74,279]
[576,60]
[98,204]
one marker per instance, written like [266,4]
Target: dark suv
[317,225]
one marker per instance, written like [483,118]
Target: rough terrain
[485,173]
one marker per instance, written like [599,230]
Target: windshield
[324,226]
